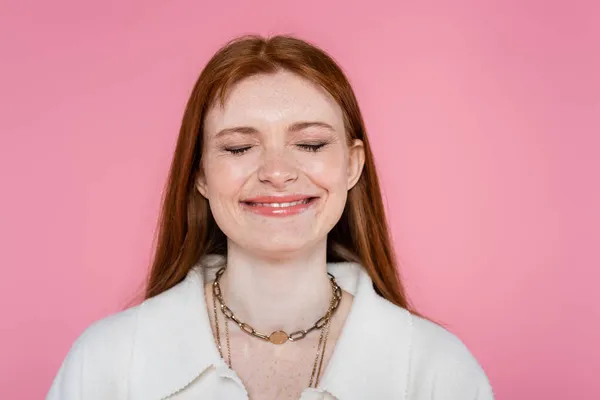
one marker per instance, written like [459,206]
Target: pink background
[485,121]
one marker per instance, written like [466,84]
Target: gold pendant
[278,337]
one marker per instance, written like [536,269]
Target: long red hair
[187,230]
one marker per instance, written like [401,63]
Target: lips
[277,199]
[278,205]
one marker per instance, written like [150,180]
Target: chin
[280,250]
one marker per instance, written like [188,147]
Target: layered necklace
[278,337]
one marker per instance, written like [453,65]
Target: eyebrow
[295,127]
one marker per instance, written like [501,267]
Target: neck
[285,294]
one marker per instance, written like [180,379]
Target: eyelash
[239,150]
[312,147]
[309,147]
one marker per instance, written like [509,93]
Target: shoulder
[442,363]
[408,356]
[104,358]
[434,343]
[97,363]
[114,334]
[110,334]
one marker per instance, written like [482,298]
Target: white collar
[174,343]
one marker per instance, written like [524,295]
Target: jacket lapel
[371,359]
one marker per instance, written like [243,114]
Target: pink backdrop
[484,120]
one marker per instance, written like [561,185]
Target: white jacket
[164,349]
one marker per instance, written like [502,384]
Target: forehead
[278,99]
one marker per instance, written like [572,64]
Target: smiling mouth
[273,206]
[280,205]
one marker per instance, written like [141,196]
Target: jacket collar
[174,342]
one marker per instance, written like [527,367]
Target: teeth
[290,204]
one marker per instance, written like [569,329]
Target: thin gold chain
[321,346]
[218,334]
[320,353]
[228,343]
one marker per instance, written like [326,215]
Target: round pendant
[278,337]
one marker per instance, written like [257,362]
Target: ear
[356,162]
[200,183]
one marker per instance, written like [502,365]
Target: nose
[277,170]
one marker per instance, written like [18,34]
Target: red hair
[187,230]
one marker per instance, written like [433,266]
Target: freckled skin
[275,163]
[267,157]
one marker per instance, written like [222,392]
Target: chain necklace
[277,337]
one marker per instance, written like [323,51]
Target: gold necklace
[278,337]
[321,346]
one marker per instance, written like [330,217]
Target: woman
[274,276]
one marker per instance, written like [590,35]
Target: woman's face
[276,164]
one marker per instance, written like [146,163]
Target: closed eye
[238,150]
[312,147]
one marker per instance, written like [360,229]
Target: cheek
[225,176]
[328,170]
